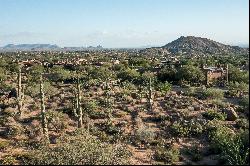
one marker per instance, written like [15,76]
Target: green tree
[191,74]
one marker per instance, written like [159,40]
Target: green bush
[78,149]
[8,160]
[219,103]
[14,130]
[4,144]
[34,90]
[167,154]
[190,91]
[242,123]
[244,103]
[212,114]
[230,146]
[164,87]
[195,153]
[9,111]
[144,134]
[212,93]
[179,129]
[186,128]
[90,106]
[56,120]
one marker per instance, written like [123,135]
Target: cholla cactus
[44,119]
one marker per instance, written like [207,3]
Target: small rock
[143,100]
[231,114]
[191,108]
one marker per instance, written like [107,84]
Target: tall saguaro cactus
[150,98]
[77,108]
[44,119]
[227,73]
[19,91]
[107,94]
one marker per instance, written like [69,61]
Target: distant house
[214,74]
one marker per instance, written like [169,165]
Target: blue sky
[122,23]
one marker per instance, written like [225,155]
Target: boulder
[231,114]
[197,108]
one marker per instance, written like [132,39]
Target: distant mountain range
[30,47]
[43,47]
[197,45]
[189,45]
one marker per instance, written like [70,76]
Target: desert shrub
[229,145]
[219,103]
[34,130]
[163,87]
[158,118]
[8,160]
[34,90]
[242,123]
[14,130]
[191,74]
[195,153]
[144,135]
[101,135]
[190,91]
[98,114]
[58,73]
[244,103]
[212,114]
[130,75]
[212,93]
[179,129]
[186,128]
[236,75]
[5,86]
[90,106]
[2,74]
[56,120]
[7,120]
[9,111]
[4,144]
[236,87]
[78,149]
[168,154]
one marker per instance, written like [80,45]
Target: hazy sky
[122,23]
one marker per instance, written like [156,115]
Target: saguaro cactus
[19,91]
[150,98]
[77,103]
[227,73]
[44,119]
[107,94]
